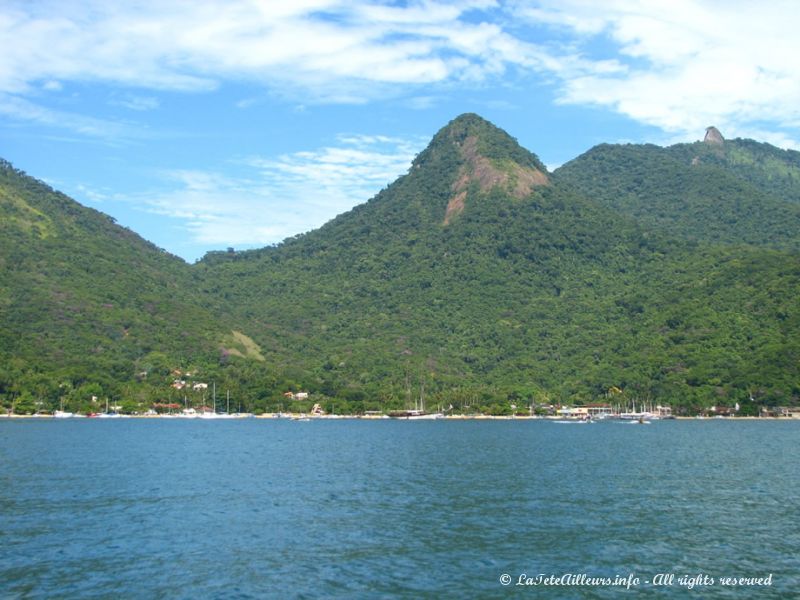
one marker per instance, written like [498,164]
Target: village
[302,406]
[190,398]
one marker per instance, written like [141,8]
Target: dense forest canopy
[667,275]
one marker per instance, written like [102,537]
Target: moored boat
[415,414]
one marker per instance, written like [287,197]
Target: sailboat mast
[408,389]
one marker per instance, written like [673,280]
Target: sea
[258,508]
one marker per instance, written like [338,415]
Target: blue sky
[208,124]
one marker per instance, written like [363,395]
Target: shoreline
[297,416]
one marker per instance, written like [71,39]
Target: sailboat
[109,415]
[418,412]
[214,414]
[61,414]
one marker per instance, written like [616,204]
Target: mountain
[485,279]
[478,279]
[86,304]
[722,191]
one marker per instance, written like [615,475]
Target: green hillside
[89,308]
[770,169]
[485,291]
[478,279]
[732,192]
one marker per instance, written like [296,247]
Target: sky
[206,124]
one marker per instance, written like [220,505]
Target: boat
[414,414]
[634,416]
[216,415]
[61,413]
[188,413]
[418,412]
[109,415]
[213,414]
[639,421]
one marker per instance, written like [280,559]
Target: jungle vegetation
[668,275]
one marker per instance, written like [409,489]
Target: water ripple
[349,509]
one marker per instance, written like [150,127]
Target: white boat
[418,412]
[639,421]
[215,415]
[644,414]
[634,416]
[62,414]
[188,413]
[415,414]
[109,415]
[426,416]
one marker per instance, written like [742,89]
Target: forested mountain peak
[734,191]
[490,141]
[477,157]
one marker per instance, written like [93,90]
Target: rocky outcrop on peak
[713,136]
[516,179]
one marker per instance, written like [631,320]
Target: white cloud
[21,109]
[678,65]
[327,46]
[686,64]
[90,193]
[422,102]
[246,103]
[138,103]
[284,195]
[311,51]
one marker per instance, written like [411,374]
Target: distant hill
[477,280]
[84,301]
[722,191]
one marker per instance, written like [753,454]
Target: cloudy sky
[206,124]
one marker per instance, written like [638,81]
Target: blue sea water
[384,509]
